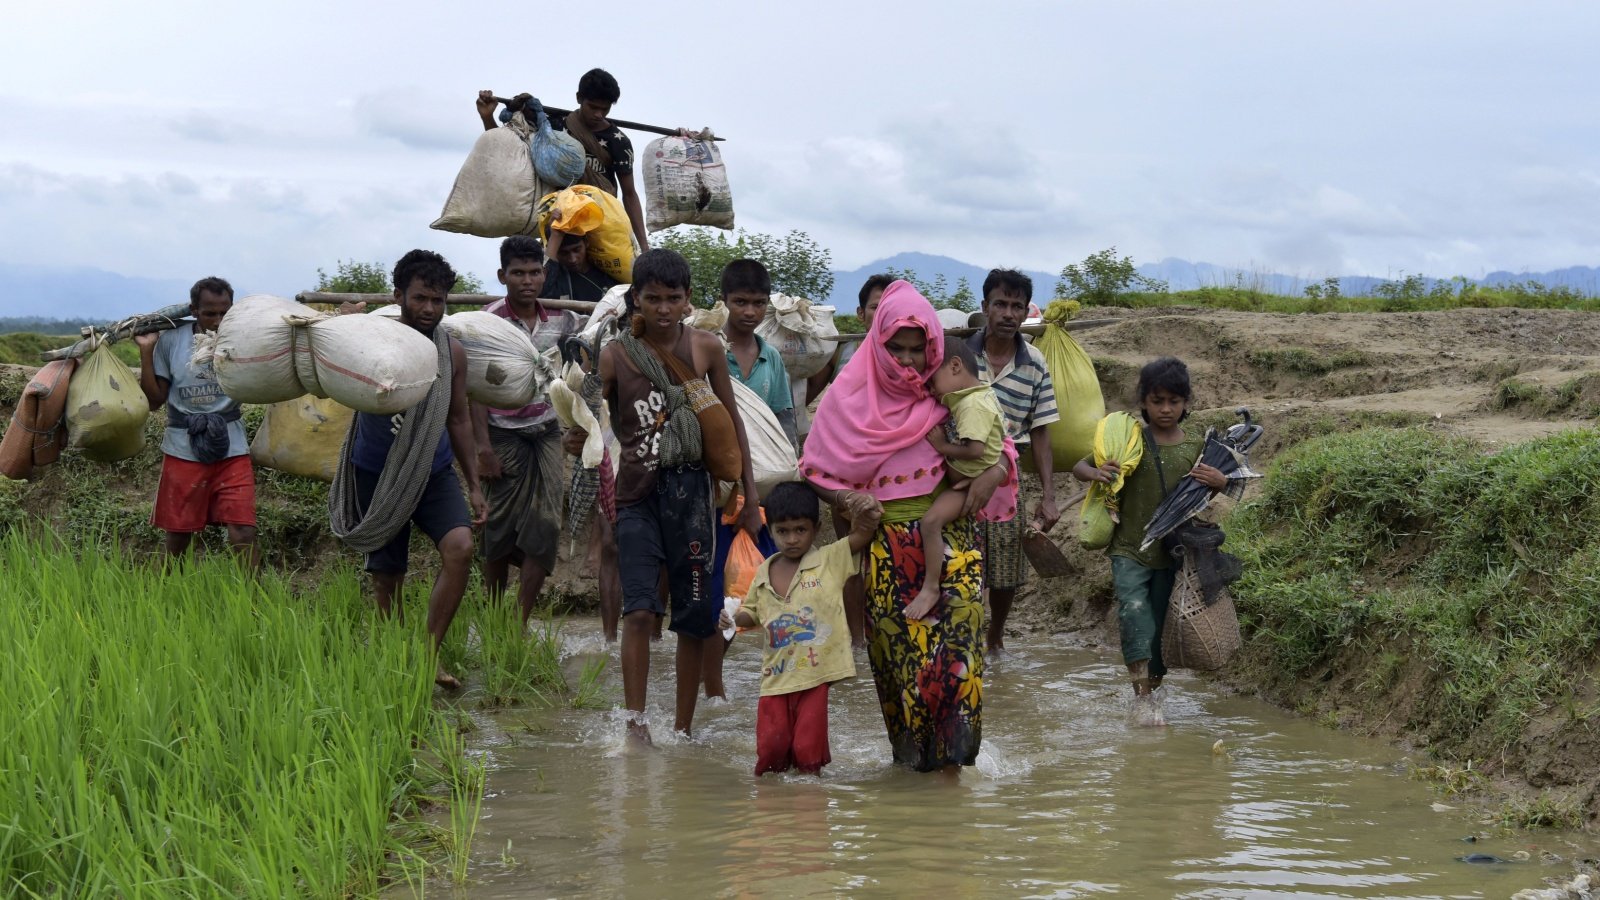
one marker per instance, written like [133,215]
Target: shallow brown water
[1068,800]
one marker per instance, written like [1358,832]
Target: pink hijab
[870,428]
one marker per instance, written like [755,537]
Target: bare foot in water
[923,605]
[1147,711]
[446,680]
[639,733]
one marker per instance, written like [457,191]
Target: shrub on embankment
[1407,581]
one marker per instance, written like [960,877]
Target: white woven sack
[771,455]
[371,364]
[685,183]
[254,350]
[608,310]
[797,329]
[504,369]
[268,350]
[496,190]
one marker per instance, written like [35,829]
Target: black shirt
[561,284]
[615,142]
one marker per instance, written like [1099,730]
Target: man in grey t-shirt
[206,476]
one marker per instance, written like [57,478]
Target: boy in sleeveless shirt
[665,515]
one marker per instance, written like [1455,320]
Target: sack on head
[600,217]
[799,330]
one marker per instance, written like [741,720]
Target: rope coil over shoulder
[405,472]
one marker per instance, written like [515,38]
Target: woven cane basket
[1198,636]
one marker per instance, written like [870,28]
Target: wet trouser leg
[1142,597]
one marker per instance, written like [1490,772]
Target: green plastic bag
[1119,439]
[1077,391]
[106,409]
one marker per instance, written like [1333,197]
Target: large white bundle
[797,329]
[268,350]
[771,455]
[685,183]
[497,188]
[607,311]
[571,410]
[254,350]
[504,369]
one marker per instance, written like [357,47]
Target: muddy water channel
[1068,800]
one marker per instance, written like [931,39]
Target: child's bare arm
[965,449]
[865,514]
[1085,470]
[742,618]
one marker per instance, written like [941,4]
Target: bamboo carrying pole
[581,306]
[1034,330]
[620,123]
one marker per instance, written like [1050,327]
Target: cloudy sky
[173,139]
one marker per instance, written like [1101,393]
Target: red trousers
[792,731]
[192,495]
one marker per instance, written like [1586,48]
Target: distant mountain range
[65,292]
[1179,274]
[80,292]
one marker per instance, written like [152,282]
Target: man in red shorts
[206,477]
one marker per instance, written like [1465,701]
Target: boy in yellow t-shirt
[797,598]
[980,429]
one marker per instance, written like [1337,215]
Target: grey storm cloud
[1359,137]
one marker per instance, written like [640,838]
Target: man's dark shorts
[441,508]
[672,527]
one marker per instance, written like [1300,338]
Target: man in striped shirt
[1021,382]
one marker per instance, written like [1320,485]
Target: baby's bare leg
[946,507]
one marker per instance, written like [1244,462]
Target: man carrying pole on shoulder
[206,476]
[396,470]
[519,450]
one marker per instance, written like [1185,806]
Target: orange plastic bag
[744,557]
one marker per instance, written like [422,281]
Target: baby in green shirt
[980,434]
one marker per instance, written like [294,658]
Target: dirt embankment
[1499,377]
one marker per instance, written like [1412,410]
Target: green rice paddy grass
[196,732]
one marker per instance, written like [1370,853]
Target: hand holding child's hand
[870,510]
[857,505]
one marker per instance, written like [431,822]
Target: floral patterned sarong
[929,677]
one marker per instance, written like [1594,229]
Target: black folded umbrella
[1225,452]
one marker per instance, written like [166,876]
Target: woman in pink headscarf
[869,437]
